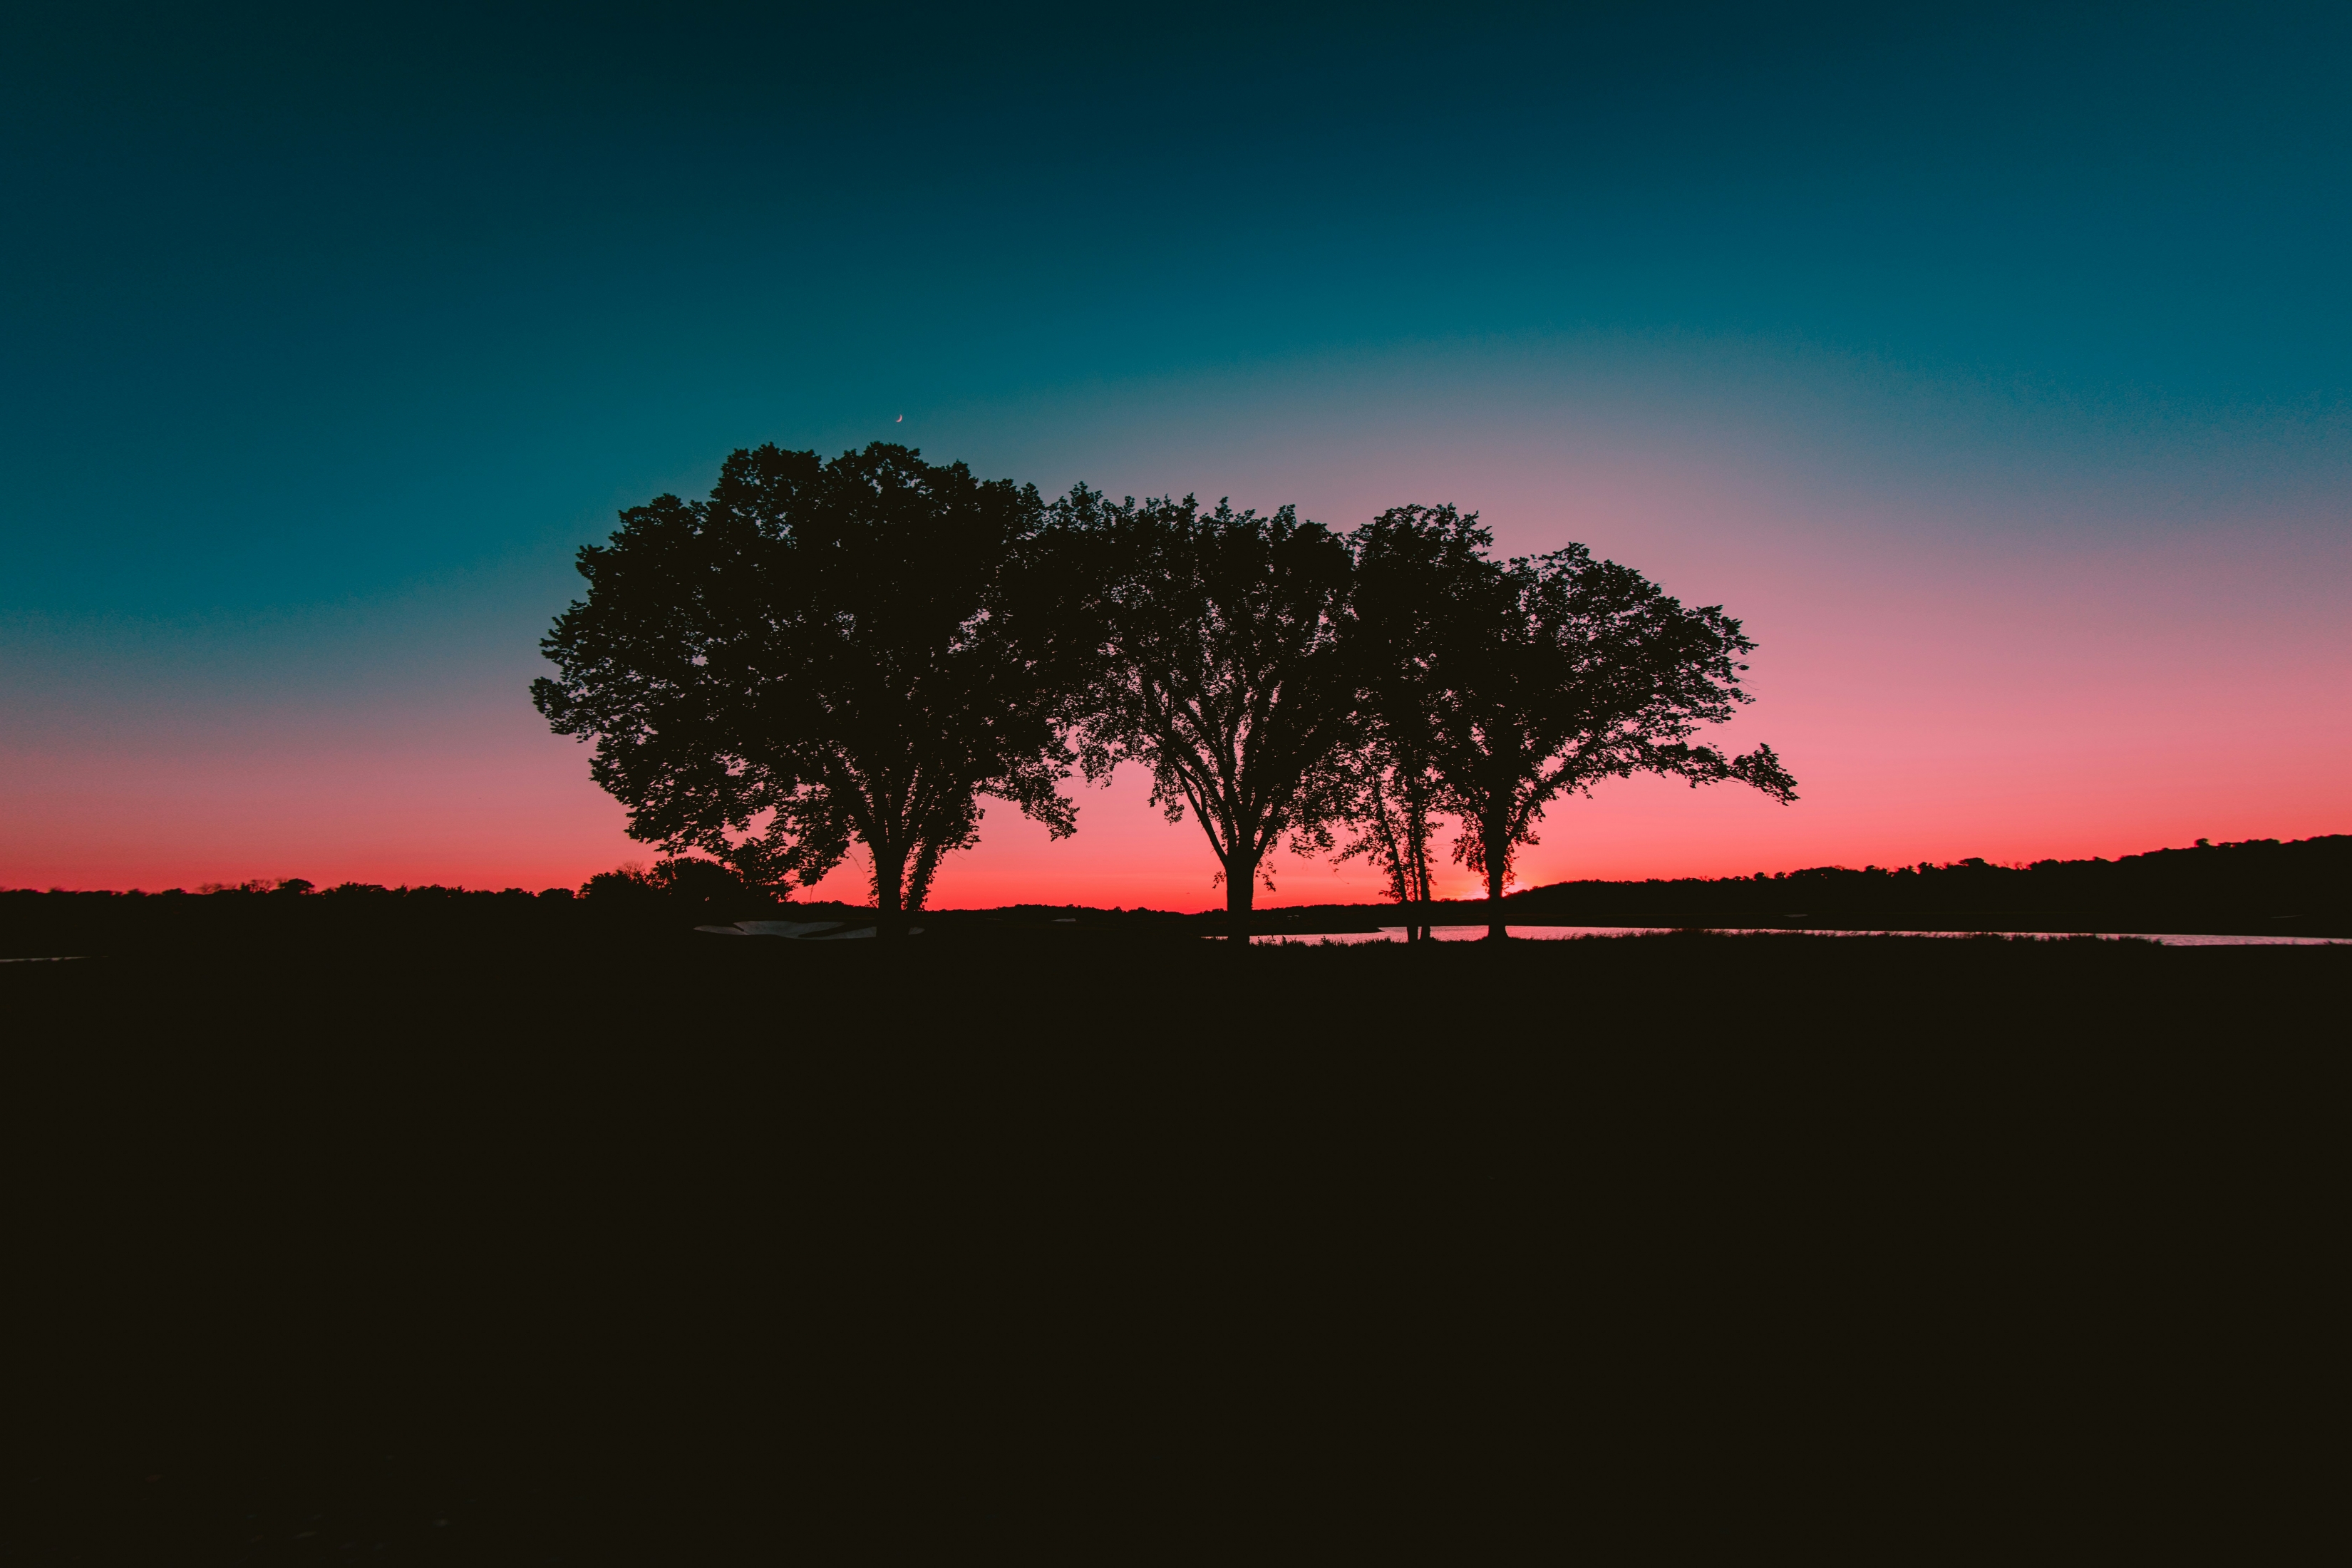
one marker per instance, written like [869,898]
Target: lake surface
[1474,933]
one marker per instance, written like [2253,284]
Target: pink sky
[2048,655]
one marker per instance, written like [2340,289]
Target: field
[580,1251]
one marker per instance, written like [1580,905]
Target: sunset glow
[2029,472]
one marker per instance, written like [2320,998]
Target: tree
[1222,673]
[824,652]
[1419,570]
[1573,671]
[681,881]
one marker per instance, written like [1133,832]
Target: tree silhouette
[1419,570]
[681,881]
[1570,671]
[1224,674]
[824,652]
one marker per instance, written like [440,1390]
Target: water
[1474,933]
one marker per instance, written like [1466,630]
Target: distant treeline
[2260,887]
[628,903]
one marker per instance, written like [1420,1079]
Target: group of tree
[859,650]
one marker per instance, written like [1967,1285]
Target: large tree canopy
[1419,570]
[824,652]
[1572,670]
[1222,673]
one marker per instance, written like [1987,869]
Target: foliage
[1418,571]
[1222,673]
[822,653]
[856,651]
[681,879]
[1569,671]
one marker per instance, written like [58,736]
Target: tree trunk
[890,882]
[1241,887]
[1496,929]
[1418,915]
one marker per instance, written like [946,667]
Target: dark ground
[1062,1244]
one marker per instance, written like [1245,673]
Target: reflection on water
[1556,933]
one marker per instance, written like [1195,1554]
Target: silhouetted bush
[682,884]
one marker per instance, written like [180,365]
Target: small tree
[684,881]
[1419,570]
[1224,673]
[1573,671]
[819,653]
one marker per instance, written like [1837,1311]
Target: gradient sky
[1995,367]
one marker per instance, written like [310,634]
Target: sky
[1994,366]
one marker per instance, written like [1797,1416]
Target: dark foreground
[705,1250]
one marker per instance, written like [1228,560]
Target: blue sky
[329,337]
